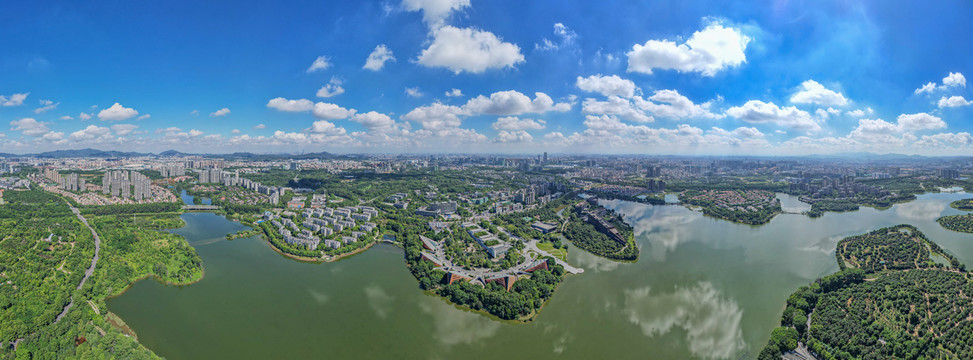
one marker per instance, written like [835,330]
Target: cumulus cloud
[952,80]
[945,140]
[512,102]
[615,105]
[607,85]
[92,132]
[321,63]
[759,112]
[434,12]
[66,117]
[413,92]
[856,113]
[117,112]
[123,129]
[376,60]
[707,52]
[329,111]
[920,121]
[375,121]
[45,106]
[469,50]
[220,112]
[814,93]
[671,104]
[436,116]
[84,116]
[953,101]
[326,127]
[29,127]
[13,100]
[259,126]
[332,88]
[514,123]
[282,104]
[514,136]
[454,93]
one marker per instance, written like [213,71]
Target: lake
[703,288]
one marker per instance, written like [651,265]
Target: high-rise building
[545,157]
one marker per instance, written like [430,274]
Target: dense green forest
[40,277]
[911,312]
[960,223]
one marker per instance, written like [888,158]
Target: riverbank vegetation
[888,301]
[587,237]
[754,207]
[41,276]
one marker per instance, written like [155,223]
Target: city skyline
[460,76]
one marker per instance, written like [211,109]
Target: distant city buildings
[126,184]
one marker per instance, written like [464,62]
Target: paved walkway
[91,269]
[532,246]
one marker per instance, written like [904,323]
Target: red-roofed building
[453,277]
[506,281]
[541,266]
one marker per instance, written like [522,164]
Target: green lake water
[703,288]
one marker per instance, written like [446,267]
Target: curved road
[91,269]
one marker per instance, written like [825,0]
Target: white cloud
[332,88]
[759,112]
[117,112]
[45,106]
[954,79]
[671,104]
[66,117]
[143,117]
[259,127]
[436,116]
[56,137]
[945,140]
[220,112]
[434,12]
[469,50]
[512,102]
[321,63]
[814,93]
[329,111]
[920,121]
[13,100]
[953,101]
[515,136]
[615,106]
[235,131]
[414,92]
[565,34]
[375,121]
[29,127]
[514,123]
[195,133]
[194,112]
[84,116]
[856,113]
[707,52]
[327,128]
[928,88]
[376,60]
[124,129]
[92,132]
[607,85]
[454,93]
[282,104]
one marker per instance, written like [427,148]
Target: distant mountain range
[95,153]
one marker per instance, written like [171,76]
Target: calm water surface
[703,289]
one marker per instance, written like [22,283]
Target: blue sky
[634,77]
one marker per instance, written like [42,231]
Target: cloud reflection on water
[452,327]
[710,320]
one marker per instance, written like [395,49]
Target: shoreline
[263,238]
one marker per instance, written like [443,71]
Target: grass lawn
[558,253]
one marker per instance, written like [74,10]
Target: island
[898,295]
[958,223]
[962,204]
